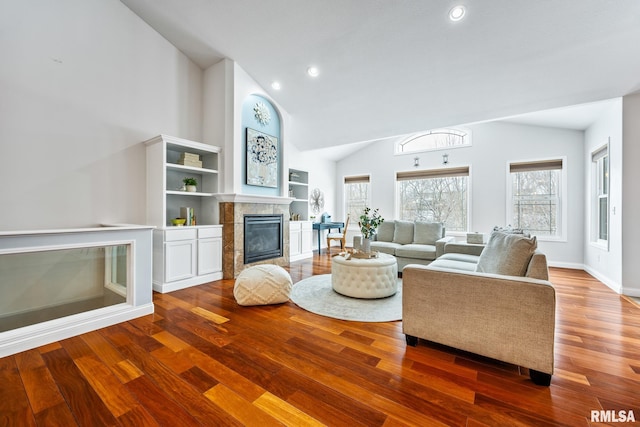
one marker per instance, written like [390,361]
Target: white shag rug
[316,295]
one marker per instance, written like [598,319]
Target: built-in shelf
[299,191]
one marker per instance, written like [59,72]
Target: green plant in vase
[190,184]
[369,222]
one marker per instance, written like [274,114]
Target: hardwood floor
[201,359]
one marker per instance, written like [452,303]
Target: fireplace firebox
[263,237]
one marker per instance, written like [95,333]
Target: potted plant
[190,184]
[369,222]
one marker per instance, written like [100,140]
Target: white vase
[191,188]
[366,245]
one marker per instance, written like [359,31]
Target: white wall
[83,82]
[494,146]
[631,202]
[605,264]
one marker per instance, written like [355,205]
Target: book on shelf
[189,156]
[188,214]
[193,163]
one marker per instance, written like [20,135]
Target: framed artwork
[262,159]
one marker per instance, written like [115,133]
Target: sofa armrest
[441,243]
[503,317]
[464,248]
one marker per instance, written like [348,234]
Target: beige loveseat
[496,302]
[411,242]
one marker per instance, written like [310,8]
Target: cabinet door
[180,260]
[294,242]
[209,256]
[306,239]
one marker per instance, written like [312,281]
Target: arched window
[436,139]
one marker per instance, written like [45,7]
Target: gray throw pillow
[507,254]
[403,233]
[386,231]
[426,233]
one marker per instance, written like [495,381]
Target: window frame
[467,136]
[600,154]
[561,213]
[354,179]
[439,173]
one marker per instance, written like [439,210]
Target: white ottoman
[365,278]
[262,285]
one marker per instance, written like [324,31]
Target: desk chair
[342,237]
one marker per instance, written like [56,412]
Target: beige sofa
[509,317]
[411,242]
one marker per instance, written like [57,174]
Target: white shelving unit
[299,190]
[188,255]
[301,230]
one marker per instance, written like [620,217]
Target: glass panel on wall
[40,286]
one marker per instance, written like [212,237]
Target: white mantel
[253,198]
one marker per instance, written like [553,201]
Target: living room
[88,82]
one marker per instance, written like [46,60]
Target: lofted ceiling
[391,67]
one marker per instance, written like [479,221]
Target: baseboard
[163,288]
[28,337]
[617,287]
[570,265]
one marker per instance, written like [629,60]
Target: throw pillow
[403,233]
[385,231]
[426,233]
[507,254]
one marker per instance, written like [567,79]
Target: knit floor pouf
[262,285]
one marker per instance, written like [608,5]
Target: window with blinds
[535,196]
[356,196]
[435,195]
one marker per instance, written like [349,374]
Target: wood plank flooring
[202,360]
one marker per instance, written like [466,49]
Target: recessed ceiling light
[276,85]
[313,71]
[457,13]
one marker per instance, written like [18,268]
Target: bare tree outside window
[438,199]
[535,201]
[356,196]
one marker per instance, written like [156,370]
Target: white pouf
[262,285]
[365,278]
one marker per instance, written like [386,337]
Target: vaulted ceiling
[392,67]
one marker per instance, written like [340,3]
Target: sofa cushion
[385,231]
[462,257]
[453,264]
[507,254]
[426,252]
[385,247]
[403,233]
[426,233]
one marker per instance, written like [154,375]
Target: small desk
[326,226]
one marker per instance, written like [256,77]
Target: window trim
[438,173]
[597,154]
[549,163]
[409,138]
[354,179]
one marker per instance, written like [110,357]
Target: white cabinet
[186,256]
[192,254]
[300,240]
[209,251]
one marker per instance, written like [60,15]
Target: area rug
[316,295]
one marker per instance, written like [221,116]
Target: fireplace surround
[233,209]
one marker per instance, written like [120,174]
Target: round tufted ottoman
[365,278]
[262,284]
